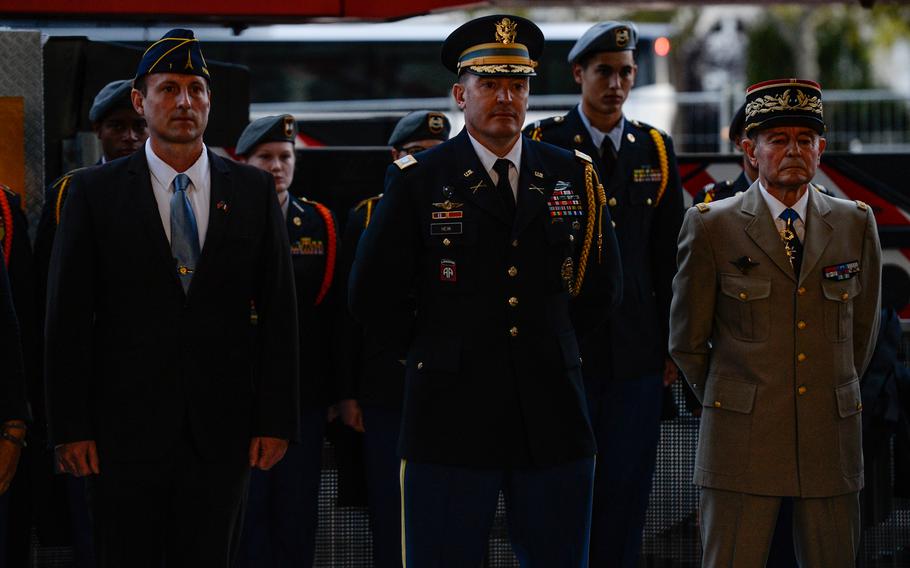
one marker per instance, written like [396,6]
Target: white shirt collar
[777,207]
[165,174]
[597,136]
[488,158]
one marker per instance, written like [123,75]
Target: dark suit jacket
[633,342]
[493,366]
[131,361]
[13,405]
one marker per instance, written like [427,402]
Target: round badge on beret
[177,51]
[280,128]
[420,125]
[605,36]
[114,95]
[494,45]
[784,102]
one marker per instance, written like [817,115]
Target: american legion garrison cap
[420,125]
[114,95]
[494,45]
[605,36]
[281,128]
[177,51]
[784,102]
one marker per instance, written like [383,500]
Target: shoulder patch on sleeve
[405,162]
[702,207]
[583,157]
[861,205]
[361,204]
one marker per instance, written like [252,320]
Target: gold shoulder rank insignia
[405,162]
[702,207]
[861,205]
[584,157]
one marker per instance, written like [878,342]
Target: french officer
[772,323]
[506,247]
[626,365]
[283,506]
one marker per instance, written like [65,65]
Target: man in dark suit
[627,366]
[152,384]
[506,247]
[371,377]
[283,506]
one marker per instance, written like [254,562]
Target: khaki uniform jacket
[775,360]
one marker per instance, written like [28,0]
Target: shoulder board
[702,207]
[861,205]
[405,162]
[311,202]
[366,201]
[646,126]
[297,205]
[583,157]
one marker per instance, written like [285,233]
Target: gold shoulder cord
[596,202]
[59,205]
[664,163]
[366,222]
[535,134]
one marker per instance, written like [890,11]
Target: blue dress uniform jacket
[132,362]
[313,237]
[634,341]
[493,366]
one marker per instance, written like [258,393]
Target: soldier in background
[728,188]
[372,377]
[626,364]
[283,504]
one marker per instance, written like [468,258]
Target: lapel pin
[222,206]
[480,185]
[744,264]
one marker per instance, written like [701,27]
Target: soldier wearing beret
[371,377]
[282,509]
[774,317]
[154,389]
[506,248]
[728,188]
[626,365]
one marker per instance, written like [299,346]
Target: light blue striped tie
[184,234]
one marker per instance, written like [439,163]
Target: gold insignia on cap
[783,102]
[288,126]
[297,221]
[506,31]
[622,37]
[435,122]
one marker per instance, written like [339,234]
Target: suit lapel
[475,183]
[219,206]
[140,185]
[762,231]
[534,187]
[818,232]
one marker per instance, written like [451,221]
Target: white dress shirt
[488,159]
[776,207]
[199,191]
[597,136]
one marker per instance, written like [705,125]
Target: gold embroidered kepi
[784,102]
[177,51]
[494,45]
[281,128]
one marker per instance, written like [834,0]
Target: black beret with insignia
[605,36]
[494,45]
[114,95]
[281,128]
[420,125]
[784,102]
[177,51]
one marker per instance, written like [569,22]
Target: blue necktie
[184,234]
[792,246]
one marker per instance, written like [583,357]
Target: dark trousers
[282,511]
[448,512]
[625,415]
[80,521]
[380,441]
[175,512]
